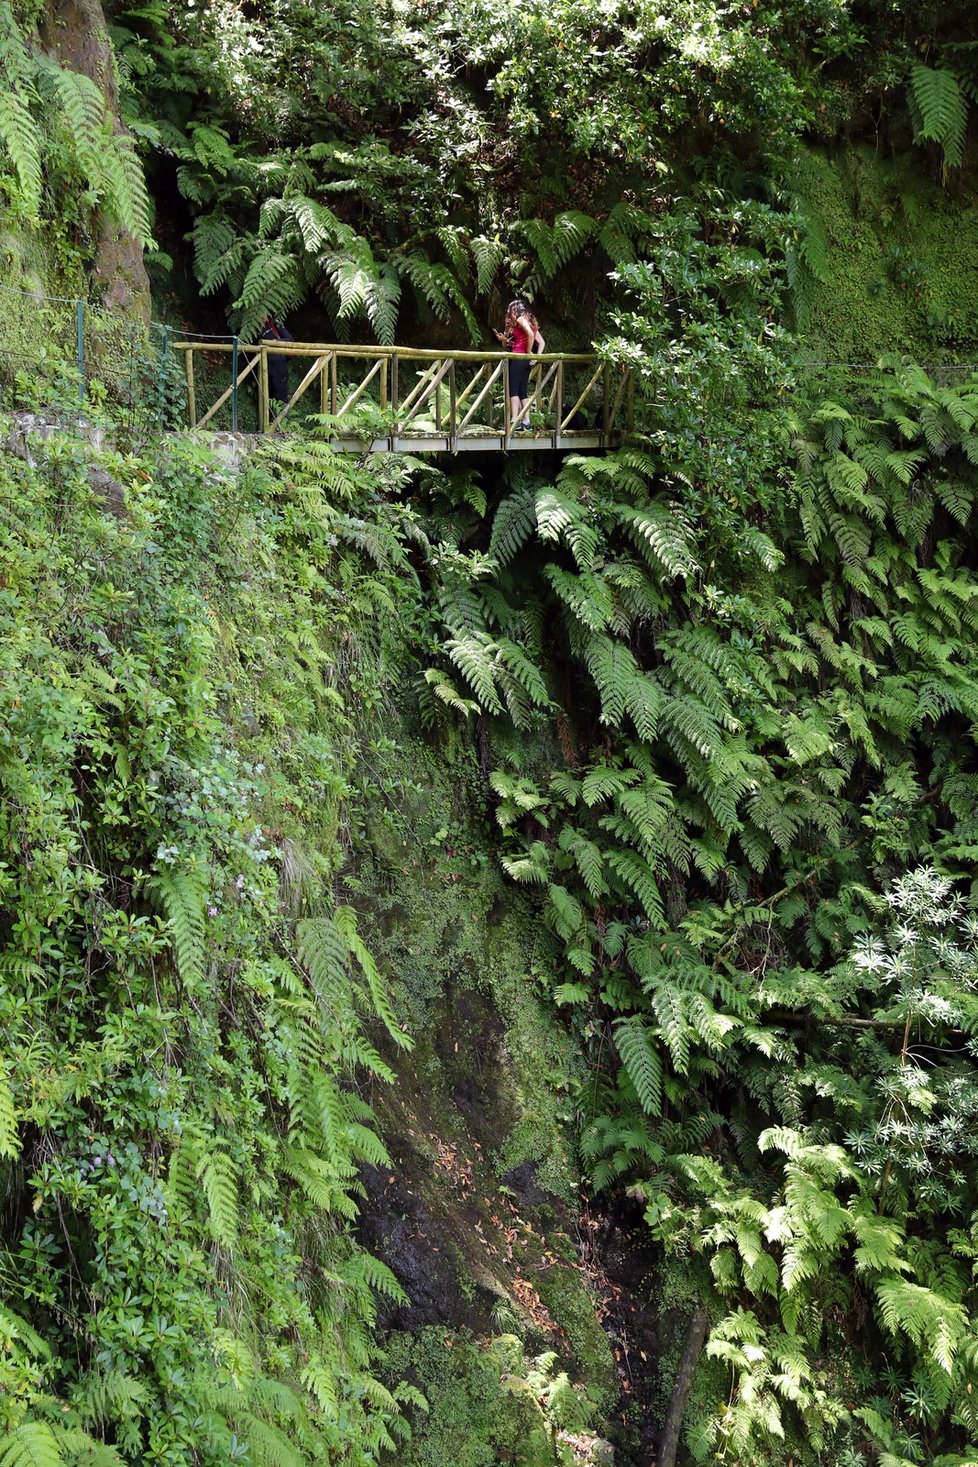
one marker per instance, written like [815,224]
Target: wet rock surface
[480,1252]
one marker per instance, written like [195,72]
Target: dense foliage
[721,683]
[743,771]
[183,1000]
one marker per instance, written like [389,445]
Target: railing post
[80,349]
[324,386]
[505,377]
[452,406]
[559,420]
[395,402]
[607,396]
[188,363]
[264,416]
[332,382]
[630,402]
[383,384]
[234,385]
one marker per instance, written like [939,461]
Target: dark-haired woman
[520,333]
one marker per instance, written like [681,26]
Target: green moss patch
[901,259]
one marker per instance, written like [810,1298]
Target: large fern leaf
[20,138]
[939,110]
[9,1137]
[32,1444]
[636,1046]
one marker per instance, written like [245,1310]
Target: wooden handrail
[422,413]
[406,353]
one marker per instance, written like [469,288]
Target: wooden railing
[400,398]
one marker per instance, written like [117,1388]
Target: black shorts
[519,378]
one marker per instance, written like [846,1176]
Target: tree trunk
[74,33]
[695,1340]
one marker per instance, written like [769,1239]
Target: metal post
[234,385]
[80,329]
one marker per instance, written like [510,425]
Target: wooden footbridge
[399,399]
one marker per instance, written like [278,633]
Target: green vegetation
[512,866]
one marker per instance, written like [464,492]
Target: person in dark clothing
[278,367]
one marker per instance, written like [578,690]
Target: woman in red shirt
[521,334]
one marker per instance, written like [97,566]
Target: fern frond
[661,537]
[218,1176]
[940,112]
[272,286]
[9,1135]
[20,138]
[128,198]
[488,255]
[346,923]
[182,897]
[636,1046]
[513,524]
[32,1444]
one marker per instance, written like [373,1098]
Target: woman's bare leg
[516,405]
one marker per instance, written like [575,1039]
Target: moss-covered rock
[901,259]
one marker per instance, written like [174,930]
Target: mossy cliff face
[480,1214]
[902,258]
